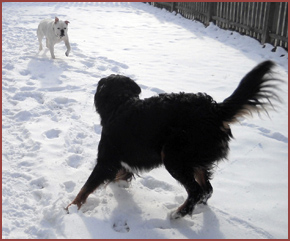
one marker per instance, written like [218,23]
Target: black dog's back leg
[202,175]
[100,175]
[124,175]
[123,178]
[185,175]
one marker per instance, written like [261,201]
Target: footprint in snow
[121,226]
[23,95]
[276,136]
[155,184]
[69,186]
[89,63]
[81,135]
[52,134]
[98,129]
[76,149]
[268,133]
[113,65]
[22,116]
[63,100]
[39,183]
[74,160]
[7,66]
[24,72]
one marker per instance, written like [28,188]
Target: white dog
[55,31]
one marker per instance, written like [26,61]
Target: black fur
[187,133]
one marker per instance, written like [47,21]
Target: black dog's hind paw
[204,198]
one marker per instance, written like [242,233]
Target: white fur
[52,30]
[128,168]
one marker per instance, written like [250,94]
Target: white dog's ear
[67,22]
[56,20]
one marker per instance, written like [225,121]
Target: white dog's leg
[67,46]
[40,44]
[51,49]
[40,36]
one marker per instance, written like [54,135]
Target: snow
[50,131]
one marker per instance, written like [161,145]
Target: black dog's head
[112,92]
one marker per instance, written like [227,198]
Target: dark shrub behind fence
[265,21]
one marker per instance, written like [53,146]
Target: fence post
[211,12]
[268,20]
[173,4]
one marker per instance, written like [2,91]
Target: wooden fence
[265,21]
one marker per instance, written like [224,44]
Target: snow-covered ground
[50,131]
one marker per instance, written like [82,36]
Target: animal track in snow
[89,63]
[24,72]
[156,185]
[23,95]
[75,149]
[39,183]
[115,66]
[52,134]
[69,186]
[7,66]
[242,224]
[121,226]
[268,133]
[81,135]
[21,175]
[61,108]
[276,136]
[98,129]
[60,103]
[113,62]
[63,100]
[151,89]
[23,116]
[74,160]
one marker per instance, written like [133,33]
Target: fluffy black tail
[254,93]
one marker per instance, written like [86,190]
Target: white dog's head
[60,28]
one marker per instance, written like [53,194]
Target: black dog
[187,133]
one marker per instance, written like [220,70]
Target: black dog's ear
[101,85]
[112,92]
[131,86]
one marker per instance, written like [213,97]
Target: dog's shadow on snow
[45,71]
[128,215]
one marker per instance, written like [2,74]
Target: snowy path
[50,131]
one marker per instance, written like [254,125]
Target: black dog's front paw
[175,215]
